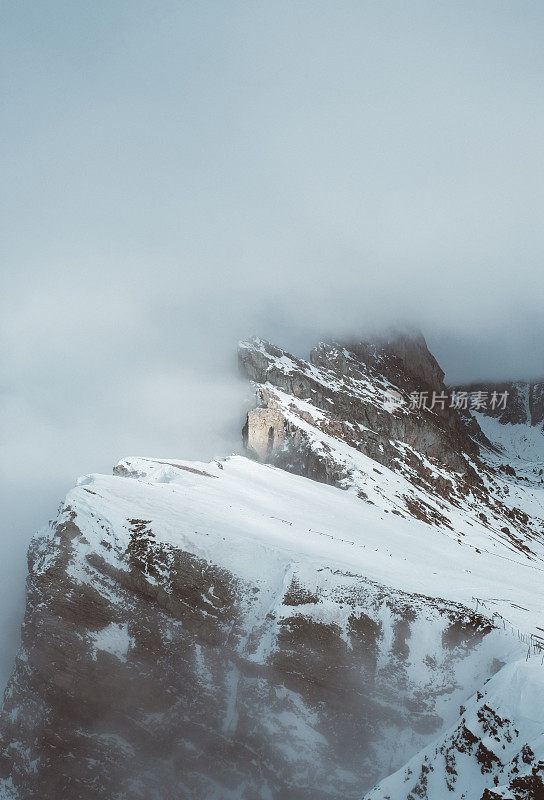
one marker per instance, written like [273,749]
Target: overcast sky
[177,175]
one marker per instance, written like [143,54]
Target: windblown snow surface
[496,747]
[266,525]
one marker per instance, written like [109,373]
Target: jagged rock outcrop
[360,395]
[488,754]
[524,406]
[265,432]
[410,349]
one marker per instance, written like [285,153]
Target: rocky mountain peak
[411,348]
[233,630]
[357,393]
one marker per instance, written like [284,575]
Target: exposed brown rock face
[525,402]
[204,698]
[345,389]
[411,349]
[82,722]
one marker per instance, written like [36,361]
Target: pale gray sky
[177,175]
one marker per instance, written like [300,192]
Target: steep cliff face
[251,650]
[407,352]
[359,395]
[525,404]
[235,631]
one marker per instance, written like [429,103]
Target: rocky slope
[360,396]
[525,404]
[234,630]
[493,751]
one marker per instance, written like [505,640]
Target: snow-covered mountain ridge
[525,402]
[360,607]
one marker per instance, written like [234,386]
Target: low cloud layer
[180,176]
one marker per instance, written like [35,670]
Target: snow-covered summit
[356,607]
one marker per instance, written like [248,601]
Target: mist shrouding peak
[174,180]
